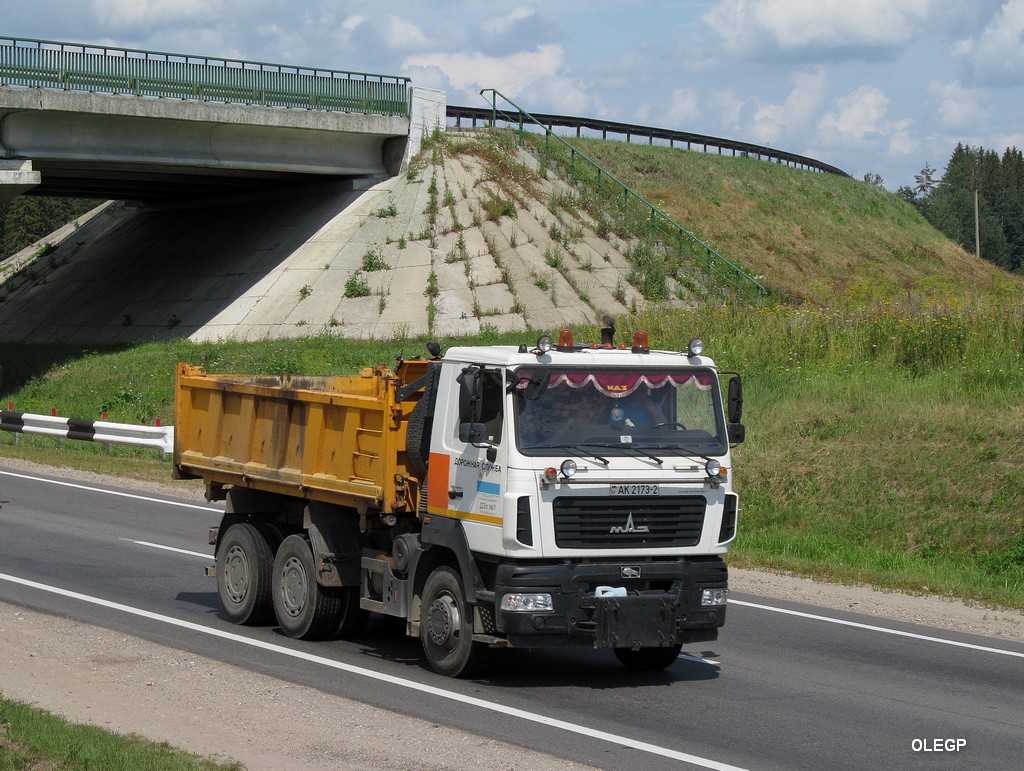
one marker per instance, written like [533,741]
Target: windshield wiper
[638,451]
[684,450]
[574,449]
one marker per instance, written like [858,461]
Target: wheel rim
[444,622]
[236,574]
[293,586]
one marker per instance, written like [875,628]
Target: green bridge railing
[635,208]
[103,69]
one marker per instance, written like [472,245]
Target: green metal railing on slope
[103,69]
[634,206]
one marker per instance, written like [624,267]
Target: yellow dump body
[338,439]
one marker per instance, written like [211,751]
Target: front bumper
[661,605]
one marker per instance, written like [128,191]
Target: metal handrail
[105,69]
[651,133]
[713,262]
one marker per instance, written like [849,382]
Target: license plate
[633,489]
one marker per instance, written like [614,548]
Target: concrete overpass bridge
[102,122]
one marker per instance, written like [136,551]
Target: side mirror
[470,394]
[737,433]
[735,403]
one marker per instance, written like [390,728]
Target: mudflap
[635,621]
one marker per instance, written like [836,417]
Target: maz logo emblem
[629,571]
[630,527]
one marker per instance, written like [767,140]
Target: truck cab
[588,490]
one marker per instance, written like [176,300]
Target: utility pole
[977,224]
[977,227]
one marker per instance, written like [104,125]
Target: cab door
[468,456]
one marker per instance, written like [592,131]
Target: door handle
[454,493]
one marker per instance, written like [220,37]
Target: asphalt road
[785,687]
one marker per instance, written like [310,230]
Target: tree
[925,182]
[28,218]
[950,206]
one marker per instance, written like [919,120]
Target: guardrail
[661,227]
[650,133]
[105,69]
[158,437]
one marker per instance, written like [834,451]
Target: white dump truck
[527,496]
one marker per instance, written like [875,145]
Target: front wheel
[648,658]
[304,609]
[446,626]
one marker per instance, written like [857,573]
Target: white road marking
[698,659]
[533,717]
[137,497]
[169,548]
[873,628]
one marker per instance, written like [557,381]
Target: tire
[352,619]
[245,569]
[417,432]
[304,609]
[446,626]
[648,658]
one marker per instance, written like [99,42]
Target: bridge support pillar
[16,177]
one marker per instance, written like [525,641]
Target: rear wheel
[304,609]
[245,567]
[446,626]
[648,658]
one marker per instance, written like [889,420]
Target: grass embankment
[884,447]
[810,238]
[33,739]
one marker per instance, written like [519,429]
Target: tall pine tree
[950,206]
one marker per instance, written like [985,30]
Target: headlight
[530,603]
[695,348]
[568,468]
[713,597]
[545,343]
[713,468]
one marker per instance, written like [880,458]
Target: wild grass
[33,739]
[884,444]
[810,238]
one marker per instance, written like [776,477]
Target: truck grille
[620,522]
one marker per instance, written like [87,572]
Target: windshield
[672,411]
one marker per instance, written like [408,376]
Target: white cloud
[683,109]
[996,56]
[509,74]
[402,35]
[958,107]
[862,118]
[729,108]
[122,14]
[502,24]
[902,143]
[825,29]
[773,122]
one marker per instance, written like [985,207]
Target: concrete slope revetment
[447,247]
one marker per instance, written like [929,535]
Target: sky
[883,87]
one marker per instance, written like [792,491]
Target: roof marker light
[565,341]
